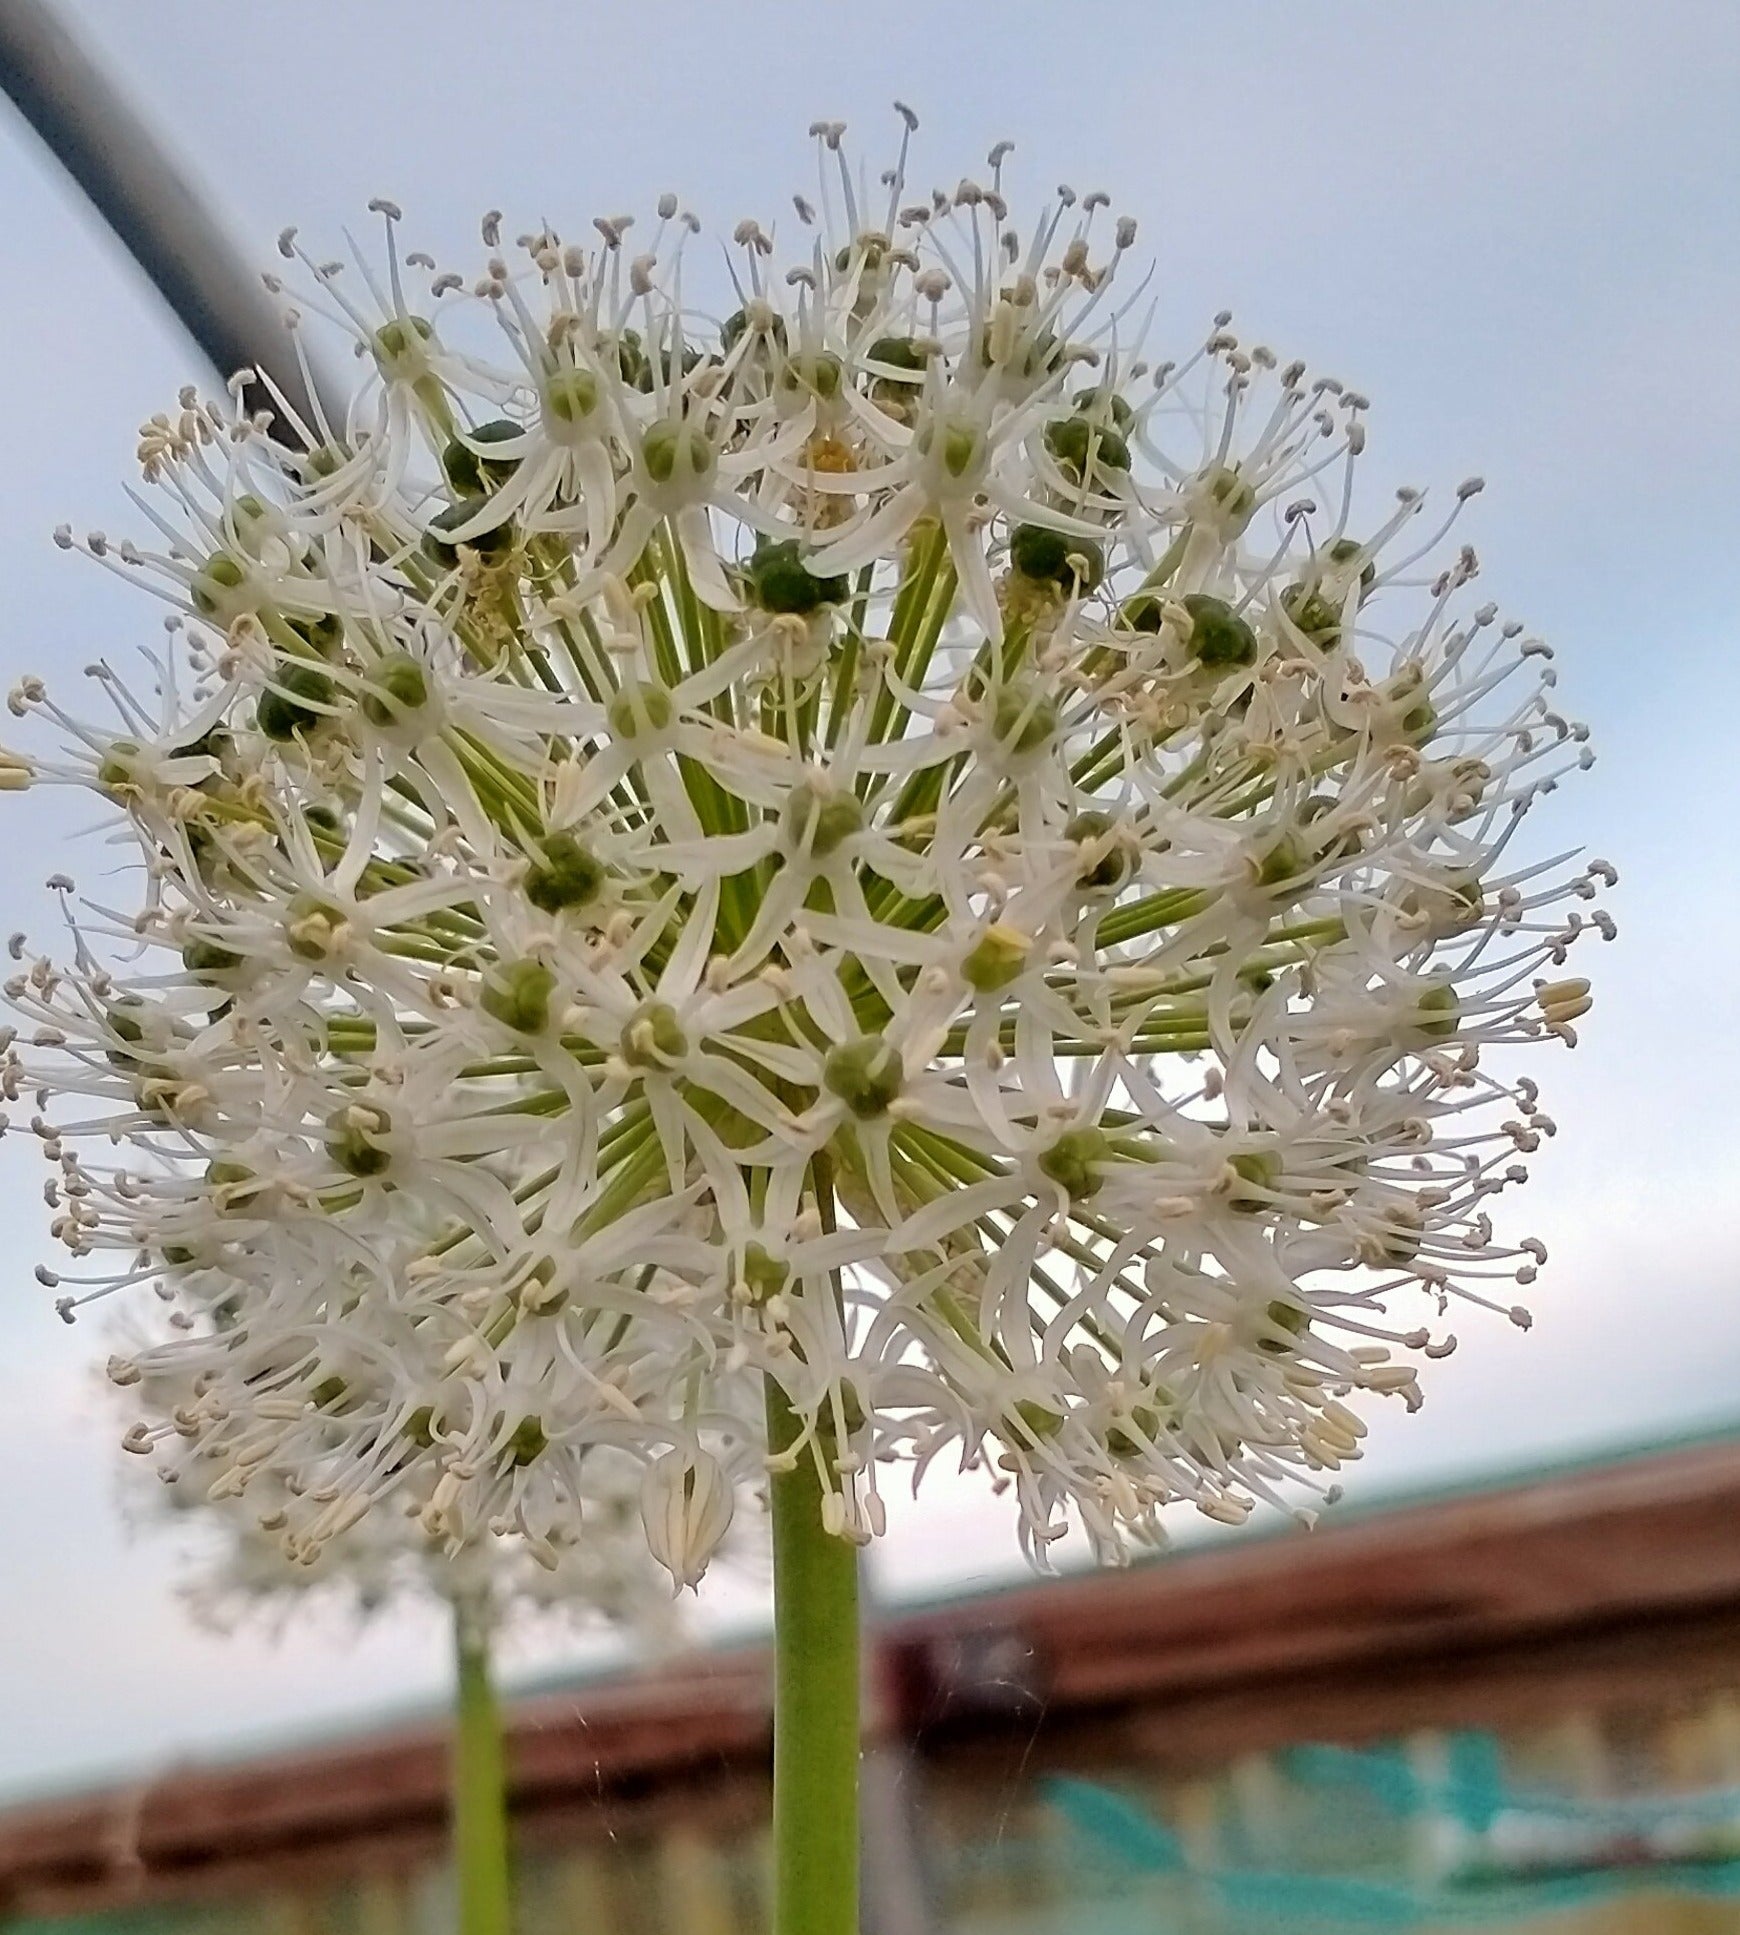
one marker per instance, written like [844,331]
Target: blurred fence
[1580,1827]
[1518,1710]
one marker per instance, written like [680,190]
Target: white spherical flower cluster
[885,842]
[241,1569]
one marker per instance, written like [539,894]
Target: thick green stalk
[815,1714]
[480,1839]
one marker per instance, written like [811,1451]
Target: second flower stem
[480,1839]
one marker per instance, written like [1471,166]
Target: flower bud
[1145,1423]
[686,1507]
[1313,614]
[399,347]
[216,744]
[895,367]
[542,1293]
[668,449]
[760,1275]
[957,447]
[1315,602]
[1335,834]
[898,353]
[313,929]
[1439,1013]
[1410,704]
[1341,555]
[1284,861]
[356,1138]
[291,704]
[220,588]
[1106,862]
[1255,1174]
[1078,442]
[567,875]
[118,770]
[1022,720]
[1045,556]
[234,1187]
[1075,1161]
[758,318]
[1016,347]
[127,1021]
[419,1427]
[1450,904]
[1395,1239]
[1233,498]
[631,363]
[638,710]
[1219,638]
[469,471]
[779,581]
[528,1441]
[866,1074]
[571,395]
[396,688]
[491,546]
[653,1037]
[996,958]
[1143,612]
[818,817]
[668,366]
[1117,411]
[517,994]
[818,375]
[1290,1320]
[1033,1422]
[329,1393]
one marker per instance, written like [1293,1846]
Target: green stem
[815,1713]
[480,1840]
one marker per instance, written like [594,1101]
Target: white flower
[245,1565]
[686,1507]
[885,844]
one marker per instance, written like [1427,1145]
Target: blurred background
[1495,1688]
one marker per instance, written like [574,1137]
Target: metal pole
[155,211]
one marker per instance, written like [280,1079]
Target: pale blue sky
[1511,222]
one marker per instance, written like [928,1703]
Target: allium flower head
[864,832]
[242,1568]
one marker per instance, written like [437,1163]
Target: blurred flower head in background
[237,1569]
